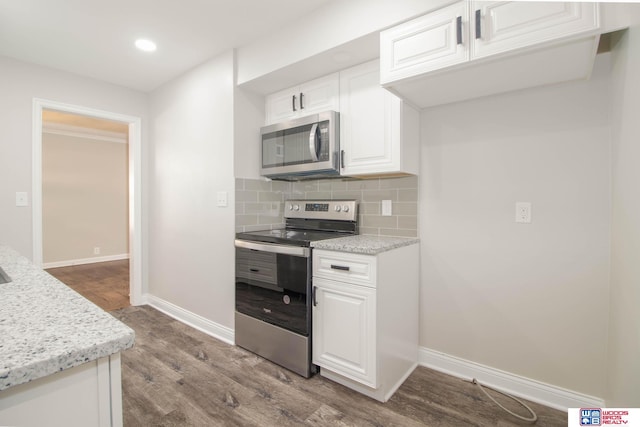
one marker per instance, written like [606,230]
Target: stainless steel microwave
[307,147]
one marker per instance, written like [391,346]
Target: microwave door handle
[312,142]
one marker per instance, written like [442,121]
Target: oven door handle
[274,248]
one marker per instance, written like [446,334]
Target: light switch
[21,198]
[221,199]
[386,208]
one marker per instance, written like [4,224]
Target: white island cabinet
[60,353]
[365,313]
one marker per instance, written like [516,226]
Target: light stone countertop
[364,244]
[46,327]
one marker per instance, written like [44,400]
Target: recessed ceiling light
[146,45]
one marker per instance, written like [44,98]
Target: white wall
[191,252]
[84,198]
[529,299]
[334,25]
[623,369]
[19,85]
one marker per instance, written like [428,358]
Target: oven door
[273,284]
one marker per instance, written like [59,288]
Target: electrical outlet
[523,212]
[386,208]
[96,250]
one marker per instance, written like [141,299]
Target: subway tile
[357,195]
[402,182]
[240,208]
[294,195]
[239,184]
[265,208]
[368,208]
[246,196]
[259,227]
[408,195]
[363,184]
[283,186]
[239,229]
[257,185]
[304,186]
[245,220]
[270,196]
[378,195]
[269,219]
[338,185]
[408,222]
[324,185]
[405,208]
[398,232]
[369,231]
[277,226]
[318,195]
[380,221]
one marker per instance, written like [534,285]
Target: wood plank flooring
[106,284]
[178,376]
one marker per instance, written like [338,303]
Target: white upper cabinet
[431,42]
[312,97]
[503,26]
[379,133]
[472,49]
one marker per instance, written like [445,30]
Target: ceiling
[96,38]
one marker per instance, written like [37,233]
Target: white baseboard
[196,321]
[516,385]
[83,261]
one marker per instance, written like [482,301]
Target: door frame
[135,185]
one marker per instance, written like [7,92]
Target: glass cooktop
[296,237]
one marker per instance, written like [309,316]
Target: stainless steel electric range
[273,280]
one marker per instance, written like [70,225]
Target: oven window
[274,288]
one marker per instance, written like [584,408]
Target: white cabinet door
[320,95]
[428,43]
[281,106]
[344,330]
[502,26]
[378,132]
[312,97]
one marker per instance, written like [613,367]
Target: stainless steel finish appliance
[273,280]
[307,147]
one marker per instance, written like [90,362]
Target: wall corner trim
[196,321]
[526,388]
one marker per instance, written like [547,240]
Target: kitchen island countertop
[46,327]
[364,244]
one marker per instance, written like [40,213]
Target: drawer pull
[340,267]
[255,270]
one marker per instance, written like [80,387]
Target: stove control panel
[345,210]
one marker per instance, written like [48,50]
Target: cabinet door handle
[301,101]
[459,30]
[342,159]
[340,267]
[478,24]
[293,103]
[313,293]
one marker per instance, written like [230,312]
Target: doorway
[133,166]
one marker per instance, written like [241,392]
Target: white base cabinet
[365,318]
[89,395]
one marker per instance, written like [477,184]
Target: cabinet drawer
[345,267]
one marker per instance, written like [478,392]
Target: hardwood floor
[106,284]
[178,376]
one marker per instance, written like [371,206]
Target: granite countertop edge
[364,244]
[47,327]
